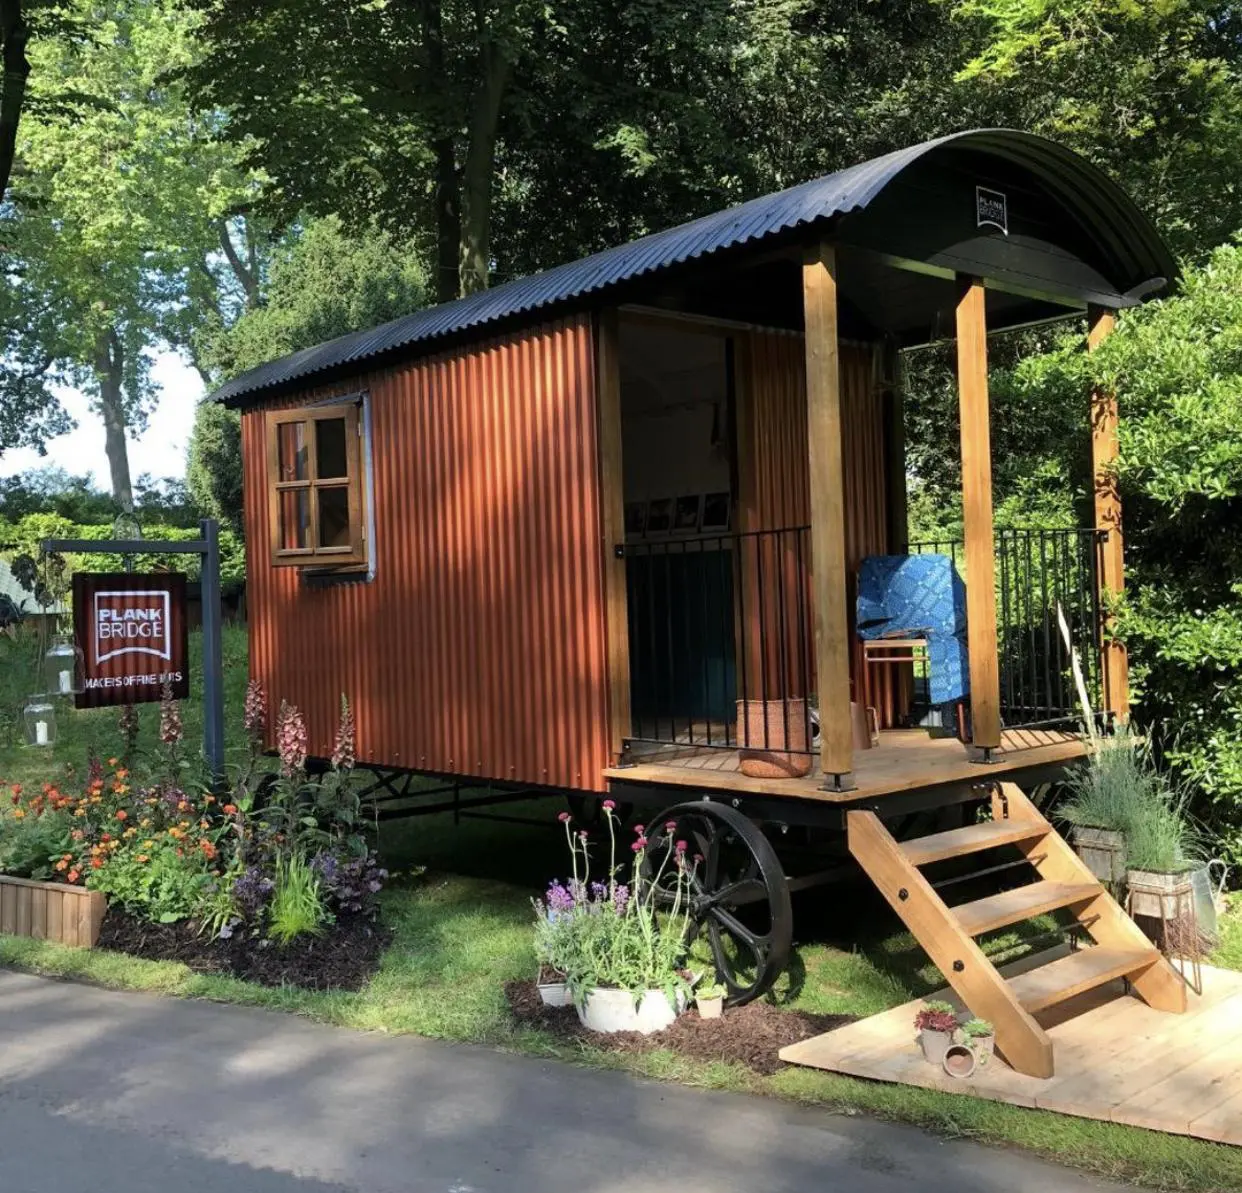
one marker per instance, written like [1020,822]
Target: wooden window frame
[355,555]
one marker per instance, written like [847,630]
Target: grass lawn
[463,929]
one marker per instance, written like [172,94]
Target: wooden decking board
[1118,1060]
[1020,903]
[1062,979]
[974,838]
[905,760]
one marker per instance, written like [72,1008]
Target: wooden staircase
[1120,950]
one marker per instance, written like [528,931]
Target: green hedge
[25,535]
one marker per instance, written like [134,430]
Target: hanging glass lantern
[62,667]
[39,716]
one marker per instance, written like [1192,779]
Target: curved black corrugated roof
[1123,232]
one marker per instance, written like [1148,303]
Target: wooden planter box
[51,911]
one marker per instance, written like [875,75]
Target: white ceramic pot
[609,1010]
[935,1044]
[710,1008]
[554,994]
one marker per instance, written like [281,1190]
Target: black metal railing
[720,640]
[1042,576]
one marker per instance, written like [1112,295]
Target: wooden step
[1021,903]
[958,842]
[1083,970]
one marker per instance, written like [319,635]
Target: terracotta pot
[935,1044]
[959,1060]
[865,726]
[775,762]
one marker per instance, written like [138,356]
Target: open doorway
[680,469]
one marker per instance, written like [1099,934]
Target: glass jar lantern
[62,667]
[39,717]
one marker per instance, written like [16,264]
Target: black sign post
[207,548]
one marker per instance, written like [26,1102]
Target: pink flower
[681,847]
[638,830]
[170,717]
[637,846]
[609,804]
[345,749]
[563,817]
[670,826]
[254,715]
[291,740]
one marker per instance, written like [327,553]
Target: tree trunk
[14,34]
[109,364]
[479,167]
[448,221]
[246,272]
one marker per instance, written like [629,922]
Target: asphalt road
[130,1093]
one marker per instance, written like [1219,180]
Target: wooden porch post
[612,497]
[1116,694]
[972,384]
[830,616]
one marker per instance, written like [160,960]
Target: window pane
[330,458]
[295,519]
[291,446]
[334,517]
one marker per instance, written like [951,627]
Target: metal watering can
[1209,894]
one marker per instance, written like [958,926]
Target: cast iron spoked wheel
[738,895]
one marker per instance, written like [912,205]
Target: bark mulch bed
[752,1035]
[344,957]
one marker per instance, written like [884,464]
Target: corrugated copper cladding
[479,648]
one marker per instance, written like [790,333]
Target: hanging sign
[991,209]
[133,633]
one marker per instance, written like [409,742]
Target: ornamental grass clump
[609,933]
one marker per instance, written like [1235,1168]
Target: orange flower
[122,773]
[142,857]
[80,812]
[113,761]
[96,863]
[19,813]
[229,809]
[72,876]
[62,865]
[122,814]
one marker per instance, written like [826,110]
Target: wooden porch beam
[972,384]
[1104,450]
[612,495]
[830,615]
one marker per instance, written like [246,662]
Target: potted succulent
[621,951]
[935,1022]
[980,1036]
[709,998]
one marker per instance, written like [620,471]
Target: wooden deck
[905,760]
[1117,1060]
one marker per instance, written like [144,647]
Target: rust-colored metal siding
[774,480]
[478,649]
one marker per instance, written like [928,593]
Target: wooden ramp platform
[1117,1059]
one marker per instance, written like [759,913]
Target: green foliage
[1119,778]
[214,465]
[297,907]
[155,878]
[24,536]
[322,282]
